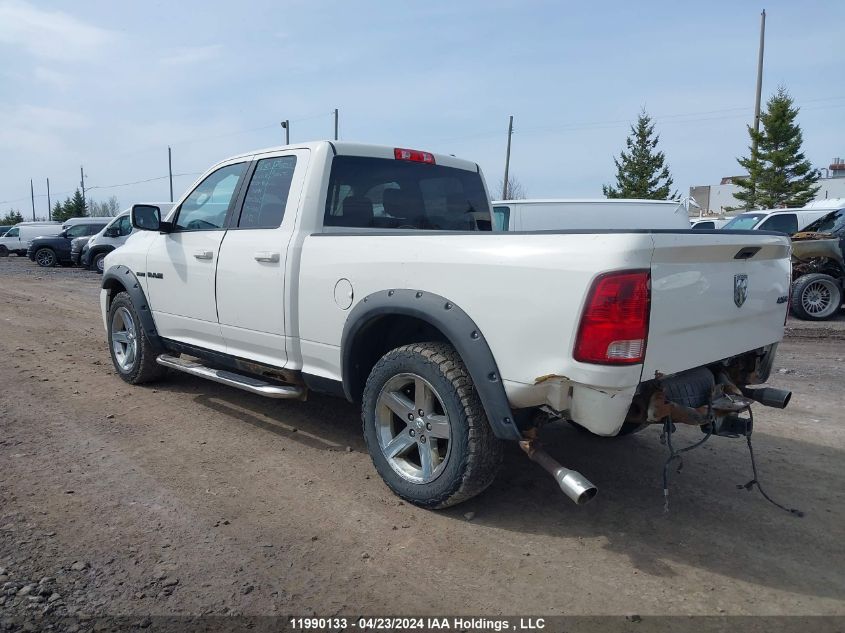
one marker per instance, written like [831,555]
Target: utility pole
[170,171]
[82,183]
[759,83]
[758,95]
[32,193]
[49,202]
[286,126]
[507,160]
[335,124]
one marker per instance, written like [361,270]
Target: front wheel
[425,427]
[4,252]
[99,262]
[45,257]
[131,352]
[816,297]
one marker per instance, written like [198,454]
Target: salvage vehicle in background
[818,268]
[17,239]
[597,213]
[110,237]
[49,251]
[372,273]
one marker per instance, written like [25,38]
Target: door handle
[266,256]
[203,254]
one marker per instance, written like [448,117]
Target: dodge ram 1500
[373,273]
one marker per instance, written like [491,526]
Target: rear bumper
[603,410]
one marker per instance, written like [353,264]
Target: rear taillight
[413,155]
[614,326]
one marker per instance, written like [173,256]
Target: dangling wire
[668,429]
[755,482]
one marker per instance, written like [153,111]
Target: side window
[124,226]
[206,207]
[501,218]
[703,226]
[13,232]
[78,230]
[782,223]
[267,195]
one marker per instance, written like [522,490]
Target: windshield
[833,222]
[744,222]
[395,194]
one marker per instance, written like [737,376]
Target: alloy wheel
[413,428]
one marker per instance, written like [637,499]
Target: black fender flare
[127,279]
[460,330]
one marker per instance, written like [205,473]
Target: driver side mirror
[112,231]
[146,217]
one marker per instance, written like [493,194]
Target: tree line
[75,206]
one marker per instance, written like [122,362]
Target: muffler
[768,396]
[574,484]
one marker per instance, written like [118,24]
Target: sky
[109,85]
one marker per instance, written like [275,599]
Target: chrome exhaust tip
[768,396]
[574,484]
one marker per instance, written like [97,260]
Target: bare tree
[515,191]
[109,208]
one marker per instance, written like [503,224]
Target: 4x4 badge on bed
[740,289]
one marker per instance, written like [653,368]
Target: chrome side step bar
[253,385]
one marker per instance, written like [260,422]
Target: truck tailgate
[714,295]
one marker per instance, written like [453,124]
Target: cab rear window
[378,193]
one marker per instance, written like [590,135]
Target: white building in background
[716,199]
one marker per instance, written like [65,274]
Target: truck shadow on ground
[712,525]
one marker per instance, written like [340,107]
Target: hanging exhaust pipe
[768,396]
[574,484]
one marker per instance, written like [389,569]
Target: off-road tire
[475,453]
[145,368]
[800,287]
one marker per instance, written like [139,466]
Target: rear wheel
[816,297]
[131,352]
[425,427]
[46,257]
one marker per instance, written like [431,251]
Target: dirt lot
[191,498]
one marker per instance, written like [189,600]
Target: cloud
[190,55]
[49,34]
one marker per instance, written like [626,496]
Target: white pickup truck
[372,273]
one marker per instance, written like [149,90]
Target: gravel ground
[189,498]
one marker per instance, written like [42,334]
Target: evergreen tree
[73,207]
[79,208]
[779,174]
[11,218]
[57,211]
[641,171]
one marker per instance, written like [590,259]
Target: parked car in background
[598,213]
[818,268]
[110,237]
[48,251]
[703,224]
[787,221]
[17,239]
[3,229]
[372,272]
